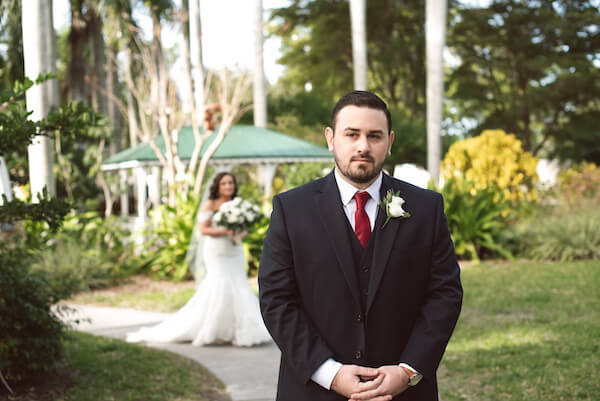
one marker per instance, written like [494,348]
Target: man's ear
[391,142]
[329,138]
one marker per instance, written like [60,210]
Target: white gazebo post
[140,221]
[124,192]
[154,186]
[266,172]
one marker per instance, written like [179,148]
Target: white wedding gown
[224,308]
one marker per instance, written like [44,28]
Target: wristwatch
[413,377]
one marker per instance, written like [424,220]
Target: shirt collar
[348,190]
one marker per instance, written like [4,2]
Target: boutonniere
[392,204]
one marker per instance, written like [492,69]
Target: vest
[363,259]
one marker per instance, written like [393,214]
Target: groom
[360,308]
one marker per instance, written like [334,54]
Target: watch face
[416,378]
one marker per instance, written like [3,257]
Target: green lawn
[528,331]
[156,301]
[99,368]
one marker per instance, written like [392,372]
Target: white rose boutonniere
[392,204]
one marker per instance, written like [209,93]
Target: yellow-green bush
[493,159]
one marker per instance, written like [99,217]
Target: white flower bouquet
[236,214]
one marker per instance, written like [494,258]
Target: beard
[360,174]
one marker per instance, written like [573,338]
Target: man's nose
[362,144]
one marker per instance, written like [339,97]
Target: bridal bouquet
[236,214]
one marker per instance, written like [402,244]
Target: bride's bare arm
[206,228]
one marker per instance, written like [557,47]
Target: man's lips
[362,159]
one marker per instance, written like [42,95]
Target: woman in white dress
[224,308]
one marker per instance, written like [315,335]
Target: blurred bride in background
[224,308]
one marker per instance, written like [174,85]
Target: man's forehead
[351,115]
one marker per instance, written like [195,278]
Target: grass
[156,297]
[98,368]
[527,331]
[154,300]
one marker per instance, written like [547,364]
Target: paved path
[250,374]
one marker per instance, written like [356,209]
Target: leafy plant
[30,329]
[563,236]
[493,158]
[169,240]
[478,220]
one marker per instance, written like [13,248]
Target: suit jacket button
[358,355]
[365,269]
[359,318]
[365,292]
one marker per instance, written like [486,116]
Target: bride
[224,308]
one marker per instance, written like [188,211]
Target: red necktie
[362,225]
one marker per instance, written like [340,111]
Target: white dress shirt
[325,374]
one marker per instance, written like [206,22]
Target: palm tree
[358,13]
[259,93]
[435,36]
[39,51]
[197,69]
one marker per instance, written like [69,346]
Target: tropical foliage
[478,220]
[493,159]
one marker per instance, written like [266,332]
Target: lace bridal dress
[224,308]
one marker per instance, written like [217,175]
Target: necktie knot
[361,199]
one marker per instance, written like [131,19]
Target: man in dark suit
[361,299]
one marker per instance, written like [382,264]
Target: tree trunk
[358,17]
[131,104]
[435,36]
[114,115]
[77,41]
[98,61]
[198,69]
[259,92]
[39,50]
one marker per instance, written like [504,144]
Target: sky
[227,36]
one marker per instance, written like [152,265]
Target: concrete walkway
[250,374]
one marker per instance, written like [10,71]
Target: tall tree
[98,58]
[435,37]
[197,65]
[77,65]
[259,90]
[11,37]
[39,50]
[317,49]
[530,68]
[358,9]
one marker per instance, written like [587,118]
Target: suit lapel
[334,220]
[384,240]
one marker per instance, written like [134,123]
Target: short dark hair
[361,99]
[214,186]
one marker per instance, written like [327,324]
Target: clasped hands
[359,383]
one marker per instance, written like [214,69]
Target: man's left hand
[395,381]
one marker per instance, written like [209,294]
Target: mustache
[363,156]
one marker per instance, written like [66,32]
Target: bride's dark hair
[214,186]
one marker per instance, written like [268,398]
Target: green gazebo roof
[242,144]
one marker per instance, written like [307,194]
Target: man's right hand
[347,380]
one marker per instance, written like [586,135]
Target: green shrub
[478,220]
[71,267]
[107,239]
[89,252]
[253,244]
[30,330]
[169,240]
[559,234]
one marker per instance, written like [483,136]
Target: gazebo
[243,144]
